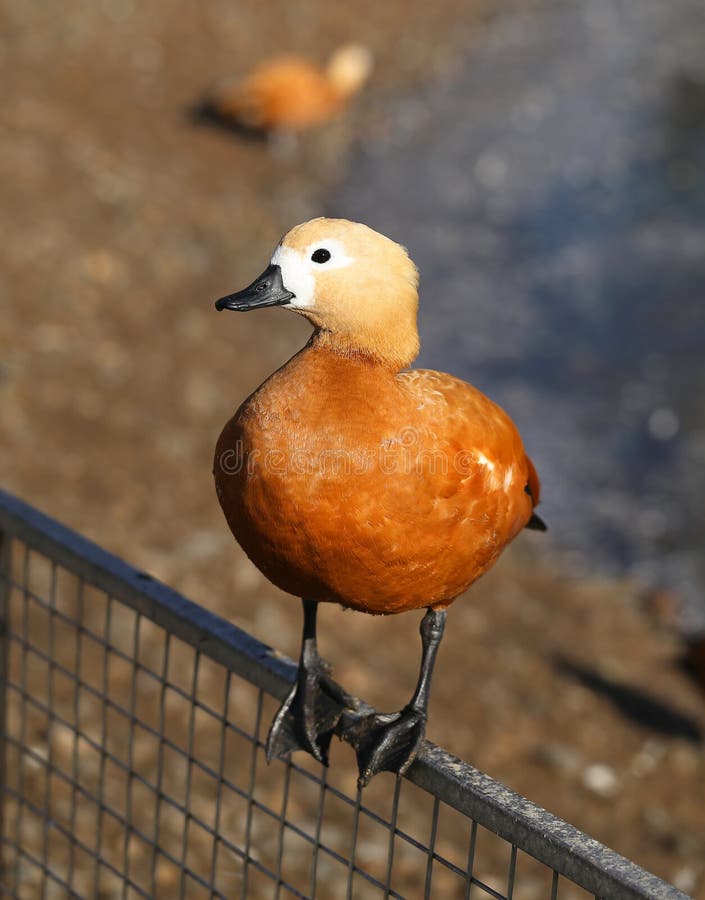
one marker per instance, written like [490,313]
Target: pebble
[685,879]
[601,779]
[559,756]
[647,759]
[204,544]
[658,820]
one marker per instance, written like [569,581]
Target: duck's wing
[462,416]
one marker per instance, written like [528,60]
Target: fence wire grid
[132,757]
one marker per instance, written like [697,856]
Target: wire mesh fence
[133,763]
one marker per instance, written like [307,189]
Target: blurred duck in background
[290,93]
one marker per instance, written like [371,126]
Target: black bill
[267,290]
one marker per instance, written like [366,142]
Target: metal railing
[133,763]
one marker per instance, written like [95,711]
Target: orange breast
[344,482]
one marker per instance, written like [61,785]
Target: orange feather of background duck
[291,93]
[348,478]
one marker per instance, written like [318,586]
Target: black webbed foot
[308,715]
[389,742]
[386,742]
[314,704]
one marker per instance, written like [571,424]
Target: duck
[290,93]
[349,477]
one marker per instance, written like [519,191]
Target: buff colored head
[349,68]
[357,287]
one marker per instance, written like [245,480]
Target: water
[552,191]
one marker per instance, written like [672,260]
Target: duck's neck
[367,351]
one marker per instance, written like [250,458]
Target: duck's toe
[386,742]
[307,717]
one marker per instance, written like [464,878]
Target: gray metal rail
[569,854]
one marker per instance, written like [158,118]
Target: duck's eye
[321,255]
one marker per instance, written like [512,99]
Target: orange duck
[292,94]
[349,478]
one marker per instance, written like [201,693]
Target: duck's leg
[390,741]
[314,704]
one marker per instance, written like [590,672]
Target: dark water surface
[552,191]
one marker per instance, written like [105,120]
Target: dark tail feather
[536,523]
[206,112]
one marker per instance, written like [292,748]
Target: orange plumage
[380,491]
[292,93]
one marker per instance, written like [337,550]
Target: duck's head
[357,287]
[349,68]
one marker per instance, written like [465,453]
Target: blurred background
[543,162]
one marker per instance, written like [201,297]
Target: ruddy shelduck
[349,478]
[291,93]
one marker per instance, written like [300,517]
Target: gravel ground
[120,222]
